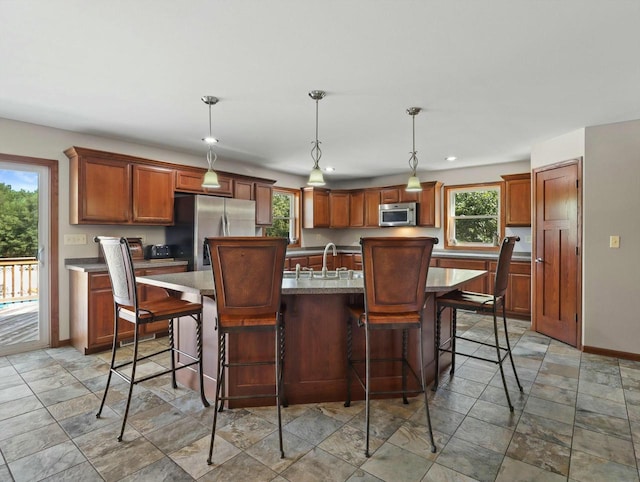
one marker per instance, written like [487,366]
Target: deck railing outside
[18,279]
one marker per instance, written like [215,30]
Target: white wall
[611,277]
[31,140]
[561,148]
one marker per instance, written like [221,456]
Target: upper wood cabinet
[517,199]
[389,195]
[356,209]
[108,188]
[339,209]
[315,208]
[398,194]
[371,207]
[152,194]
[190,180]
[243,189]
[429,204]
[263,194]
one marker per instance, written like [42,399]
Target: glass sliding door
[24,247]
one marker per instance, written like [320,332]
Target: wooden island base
[315,367]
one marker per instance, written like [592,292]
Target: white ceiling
[494,77]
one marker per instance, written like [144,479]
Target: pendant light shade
[315,177]
[210,178]
[413,185]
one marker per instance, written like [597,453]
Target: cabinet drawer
[462,263]
[99,281]
[517,267]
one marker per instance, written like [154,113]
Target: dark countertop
[95,264]
[201,282]
[437,253]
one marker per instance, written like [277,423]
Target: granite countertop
[88,265]
[201,282]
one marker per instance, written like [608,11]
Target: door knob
[539,260]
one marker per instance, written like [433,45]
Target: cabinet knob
[539,260]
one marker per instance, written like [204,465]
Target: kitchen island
[315,336]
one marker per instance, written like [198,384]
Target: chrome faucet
[324,257]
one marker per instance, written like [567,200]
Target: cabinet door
[518,297]
[479,285]
[315,261]
[357,262]
[315,208]
[346,260]
[371,207]
[148,293]
[104,192]
[152,194]
[429,208]
[517,196]
[339,209]
[389,195]
[263,195]
[408,197]
[356,209]
[191,181]
[303,261]
[101,312]
[243,190]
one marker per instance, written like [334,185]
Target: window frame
[295,219]
[449,218]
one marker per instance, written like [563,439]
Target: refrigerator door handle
[228,224]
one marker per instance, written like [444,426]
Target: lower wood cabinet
[91,308]
[518,297]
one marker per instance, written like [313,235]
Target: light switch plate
[614,241]
[70,239]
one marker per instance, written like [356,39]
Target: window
[473,215]
[285,208]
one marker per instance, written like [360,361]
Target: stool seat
[468,300]
[160,310]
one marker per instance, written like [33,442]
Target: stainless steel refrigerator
[197,217]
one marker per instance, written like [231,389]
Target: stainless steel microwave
[401,214]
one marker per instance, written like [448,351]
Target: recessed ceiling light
[329,169]
[450,158]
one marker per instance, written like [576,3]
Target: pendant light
[210,178]
[315,177]
[413,185]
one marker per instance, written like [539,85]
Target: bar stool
[127,307]
[395,279]
[481,303]
[247,275]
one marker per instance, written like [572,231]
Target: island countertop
[201,282]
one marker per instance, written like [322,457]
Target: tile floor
[578,419]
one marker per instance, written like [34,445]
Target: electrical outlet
[614,241]
[527,239]
[70,239]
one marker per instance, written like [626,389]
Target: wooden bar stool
[247,275]
[395,280]
[127,307]
[481,303]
